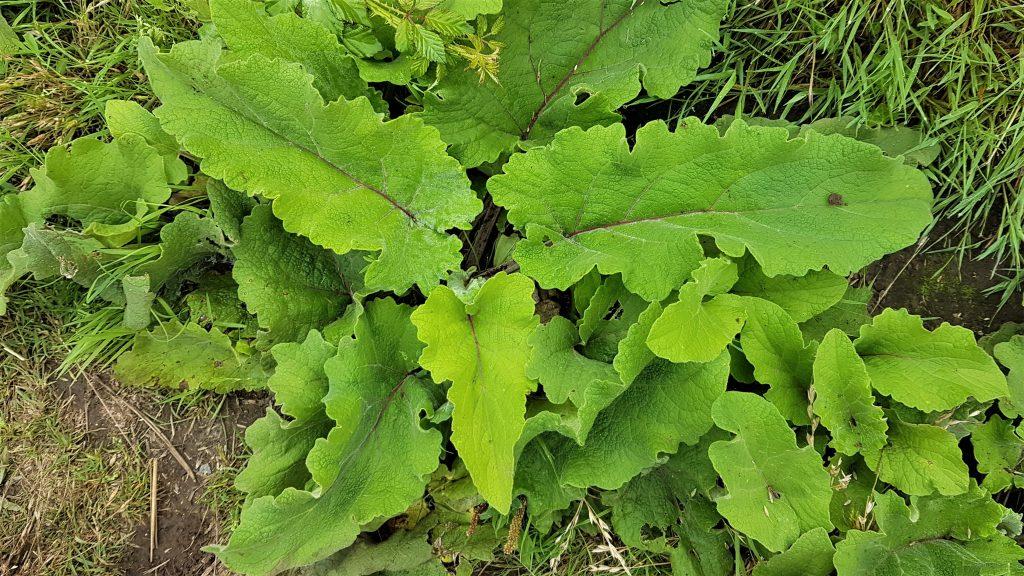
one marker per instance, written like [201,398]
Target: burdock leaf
[776,491]
[929,370]
[570,64]
[481,346]
[920,459]
[373,464]
[843,398]
[291,284]
[336,173]
[587,200]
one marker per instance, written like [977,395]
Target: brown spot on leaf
[836,200]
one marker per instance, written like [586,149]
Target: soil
[938,287]
[185,523]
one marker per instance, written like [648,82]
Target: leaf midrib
[359,182]
[550,96]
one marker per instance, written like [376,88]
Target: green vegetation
[506,324]
[954,69]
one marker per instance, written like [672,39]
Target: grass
[70,492]
[953,68]
[73,57]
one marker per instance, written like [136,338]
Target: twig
[510,266]
[152,510]
[160,435]
[13,353]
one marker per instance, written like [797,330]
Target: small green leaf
[998,450]
[920,460]
[928,370]
[773,344]
[128,117]
[776,491]
[843,397]
[810,555]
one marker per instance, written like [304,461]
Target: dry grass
[70,491]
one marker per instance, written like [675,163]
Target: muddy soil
[188,453]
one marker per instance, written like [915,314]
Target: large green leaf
[571,64]
[482,347]
[373,464]
[291,284]
[337,173]
[588,200]
[935,535]
[247,29]
[279,447]
[920,459]
[776,491]
[1011,355]
[843,398]
[128,117]
[927,369]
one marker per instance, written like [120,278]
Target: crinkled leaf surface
[654,500]
[186,241]
[291,284]
[998,450]
[776,491]
[374,463]
[247,29]
[843,399]
[673,403]
[337,173]
[482,347]
[228,208]
[97,182]
[810,555]
[799,204]
[568,376]
[920,459]
[803,297]
[773,344]
[935,535]
[927,369]
[128,117]
[571,64]
[179,356]
[848,315]
[279,447]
